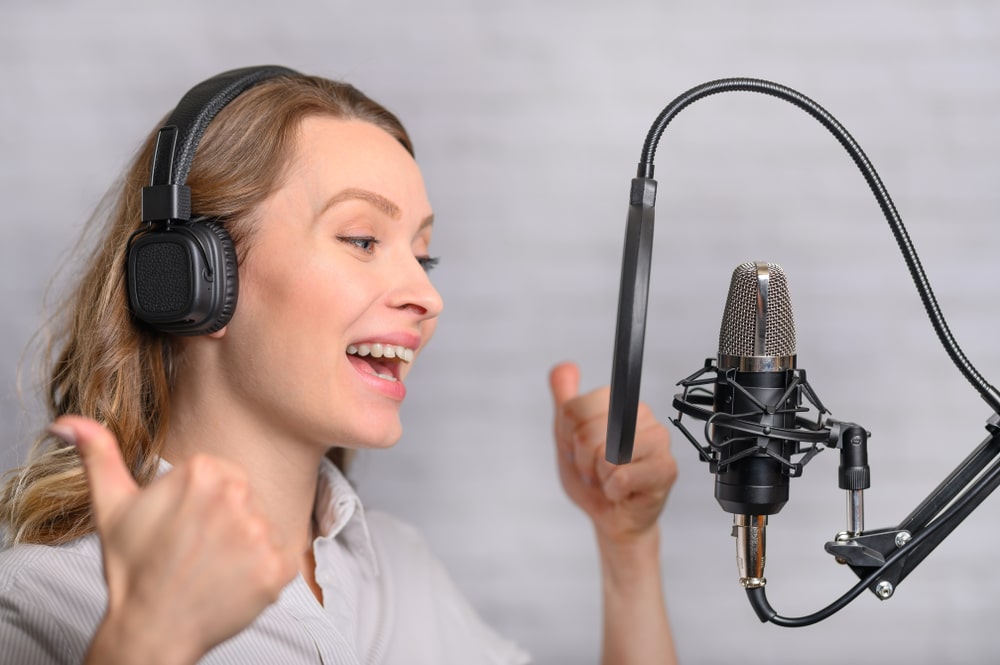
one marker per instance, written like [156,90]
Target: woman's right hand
[188,560]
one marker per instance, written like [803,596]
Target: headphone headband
[167,197]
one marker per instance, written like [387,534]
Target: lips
[381,375]
[378,361]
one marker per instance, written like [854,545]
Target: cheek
[282,301]
[292,289]
[302,316]
[284,317]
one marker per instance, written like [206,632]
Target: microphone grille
[758,292]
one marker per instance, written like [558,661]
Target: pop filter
[630,331]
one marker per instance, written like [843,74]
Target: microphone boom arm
[959,486]
[881,558]
[916,537]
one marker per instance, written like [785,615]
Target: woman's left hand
[624,501]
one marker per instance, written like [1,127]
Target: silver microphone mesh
[740,334]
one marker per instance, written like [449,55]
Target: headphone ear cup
[228,286]
[183,279]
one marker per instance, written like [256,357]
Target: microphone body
[758,483]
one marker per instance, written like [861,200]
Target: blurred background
[528,119]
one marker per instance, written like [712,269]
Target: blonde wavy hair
[100,362]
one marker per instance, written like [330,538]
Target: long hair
[100,362]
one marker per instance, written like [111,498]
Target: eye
[428,262]
[364,243]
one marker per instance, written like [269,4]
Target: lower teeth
[387,377]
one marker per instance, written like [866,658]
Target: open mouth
[381,360]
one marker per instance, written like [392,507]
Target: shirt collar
[339,514]
[337,510]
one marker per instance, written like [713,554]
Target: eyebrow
[351,193]
[379,202]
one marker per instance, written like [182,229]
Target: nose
[414,291]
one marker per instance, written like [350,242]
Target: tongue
[371,365]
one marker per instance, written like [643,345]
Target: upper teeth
[382,351]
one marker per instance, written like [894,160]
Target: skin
[624,503]
[335,261]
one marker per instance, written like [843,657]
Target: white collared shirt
[387,600]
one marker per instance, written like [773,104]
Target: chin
[375,436]
[385,442]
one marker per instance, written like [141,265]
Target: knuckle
[663,433]
[236,491]
[274,572]
[564,413]
[589,435]
[211,476]
[655,436]
[255,531]
[670,470]
[614,491]
[202,469]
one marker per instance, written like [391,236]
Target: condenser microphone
[754,387]
[756,360]
[757,436]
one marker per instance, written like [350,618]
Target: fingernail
[63,432]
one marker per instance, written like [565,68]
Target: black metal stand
[929,524]
[883,558]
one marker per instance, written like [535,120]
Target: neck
[282,472]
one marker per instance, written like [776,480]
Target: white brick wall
[528,119]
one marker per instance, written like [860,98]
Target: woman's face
[335,301]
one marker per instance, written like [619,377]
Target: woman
[209,520]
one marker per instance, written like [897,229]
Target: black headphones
[182,275]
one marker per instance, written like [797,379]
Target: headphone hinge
[166,202]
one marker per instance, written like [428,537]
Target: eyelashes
[428,262]
[367,244]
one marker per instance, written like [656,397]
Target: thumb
[111,484]
[564,380]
